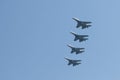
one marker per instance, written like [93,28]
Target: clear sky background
[34,35]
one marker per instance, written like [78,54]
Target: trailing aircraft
[76,50]
[73,62]
[80,37]
[83,24]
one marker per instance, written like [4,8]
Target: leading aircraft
[79,37]
[83,24]
[76,50]
[73,62]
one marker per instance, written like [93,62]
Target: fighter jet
[80,37]
[76,50]
[73,62]
[83,24]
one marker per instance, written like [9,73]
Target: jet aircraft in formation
[73,62]
[81,38]
[83,24]
[76,50]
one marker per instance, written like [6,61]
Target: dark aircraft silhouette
[73,62]
[76,50]
[80,37]
[83,24]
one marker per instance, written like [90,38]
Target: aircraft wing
[83,39]
[73,33]
[87,22]
[72,51]
[67,59]
[69,63]
[76,64]
[76,19]
[83,35]
[70,46]
[75,39]
[81,48]
[85,26]
[77,60]
[78,25]
[79,52]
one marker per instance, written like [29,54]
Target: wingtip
[65,58]
[68,45]
[74,18]
[72,32]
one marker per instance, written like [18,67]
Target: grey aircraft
[76,50]
[80,37]
[73,62]
[83,24]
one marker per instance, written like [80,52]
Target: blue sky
[34,35]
